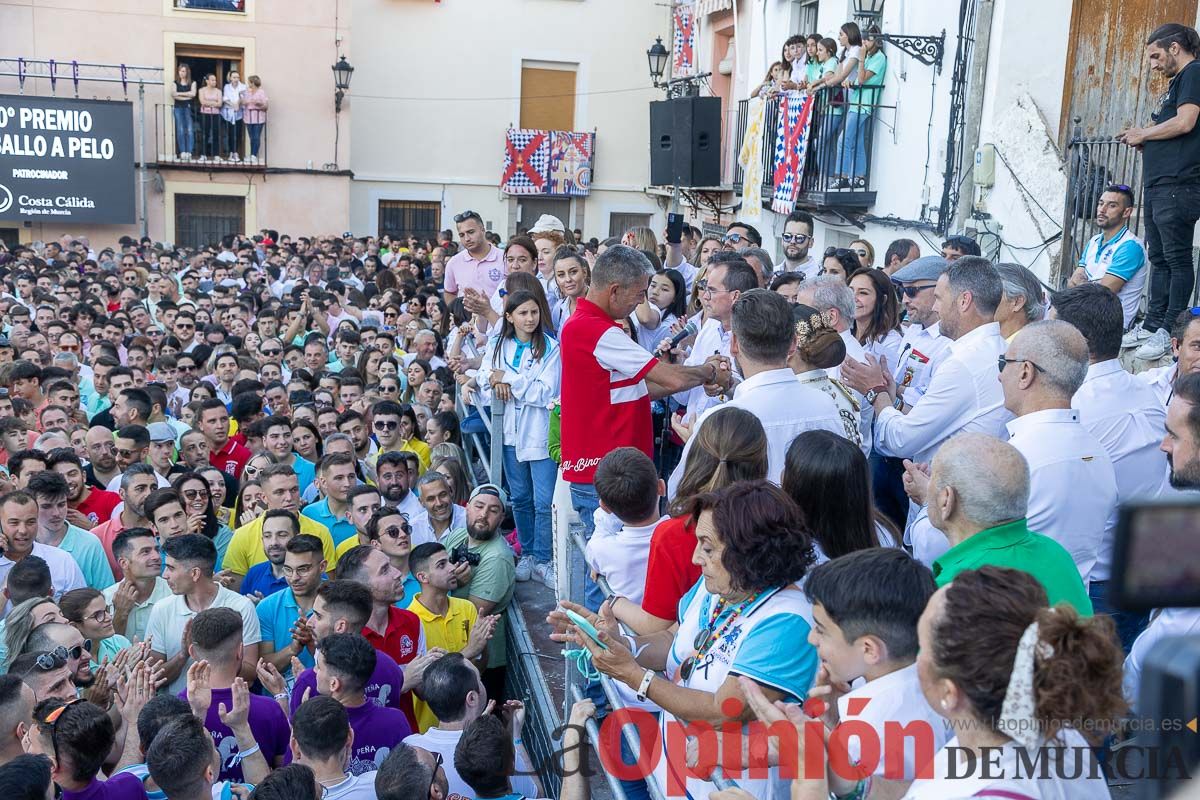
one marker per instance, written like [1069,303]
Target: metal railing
[213,143]
[833,160]
[1092,164]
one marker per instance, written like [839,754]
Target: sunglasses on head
[838,252]
[464,216]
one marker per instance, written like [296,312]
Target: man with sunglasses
[64,640]
[924,346]
[740,235]
[1044,367]
[797,241]
[46,674]
[479,265]
[78,736]
[389,532]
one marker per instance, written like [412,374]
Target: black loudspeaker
[685,141]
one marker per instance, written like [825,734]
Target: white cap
[547,222]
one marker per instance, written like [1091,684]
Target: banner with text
[66,160]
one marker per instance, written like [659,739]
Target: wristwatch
[873,392]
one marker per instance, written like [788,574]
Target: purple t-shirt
[376,731]
[383,689]
[122,786]
[267,722]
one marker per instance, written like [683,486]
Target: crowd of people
[245,550]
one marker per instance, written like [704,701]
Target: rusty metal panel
[1108,83]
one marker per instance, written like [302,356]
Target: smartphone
[674,228]
[1156,555]
[586,627]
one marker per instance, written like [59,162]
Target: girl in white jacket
[522,367]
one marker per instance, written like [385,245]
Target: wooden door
[1108,84]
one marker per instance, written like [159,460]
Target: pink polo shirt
[483,275]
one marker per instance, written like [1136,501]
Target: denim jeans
[828,142]
[585,501]
[853,161]
[532,486]
[1171,213]
[255,129]
[1129,623]
[185,132]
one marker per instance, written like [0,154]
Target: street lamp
[341,81]
[929,50]
[657,55]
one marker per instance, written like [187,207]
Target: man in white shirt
[763,337]
[1125,415]
[963,395]
[1185,346]
[439,513]
[724,284]
[797,241]
[830,294]
[1072,484]
[189,572]
[1182,446]
[19,523]
[457,697]
[923,350]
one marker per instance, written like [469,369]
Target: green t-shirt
[491,579]
[1014,546]
[861,100]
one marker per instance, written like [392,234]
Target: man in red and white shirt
[479,265]
[606,399]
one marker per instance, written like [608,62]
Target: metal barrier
[488,451]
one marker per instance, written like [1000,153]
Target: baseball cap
[4,341]
[492,490]
[160,432]
[925,268]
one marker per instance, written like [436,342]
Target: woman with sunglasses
[199,502]
[877,315]
[745,616]
[865,252]
[87,610]
[840,261]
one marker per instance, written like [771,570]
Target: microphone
[688,330]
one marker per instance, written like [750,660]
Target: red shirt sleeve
[670,572]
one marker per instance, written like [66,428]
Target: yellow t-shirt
[346,545]
[414,446]
[449,632]
[246,548]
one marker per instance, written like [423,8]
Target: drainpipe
[974,115]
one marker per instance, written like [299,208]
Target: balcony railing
[213,142]
[232,6]
[837,172]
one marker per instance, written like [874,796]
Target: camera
[462,553]
[1156,567]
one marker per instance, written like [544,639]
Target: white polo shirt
[1072,484]
[1125,416]
[171,615]
[139,616]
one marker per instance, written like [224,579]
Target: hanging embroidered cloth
[750,157]
[791,147]
[571,163]
[526,161]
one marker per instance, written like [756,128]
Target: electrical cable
[1025,189]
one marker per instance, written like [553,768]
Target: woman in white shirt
[571,278]
[1010,675]
[877,315]
[666,301]
[522,368]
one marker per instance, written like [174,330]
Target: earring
[945,704]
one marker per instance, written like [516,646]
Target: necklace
[718,623]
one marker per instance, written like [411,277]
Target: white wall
[441,136]
[1024,85]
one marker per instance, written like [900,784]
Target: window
[548,96]
[203,60]
[201,219]
[405,217]
[231,6]
[804,16]
[619,223]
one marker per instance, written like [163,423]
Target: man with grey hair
[977,492]
[1024,301]
[963,395]
[606,402]
[760,261]
[1073,487]
[830,295]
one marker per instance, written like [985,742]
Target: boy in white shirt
[629,489]
[865,607]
